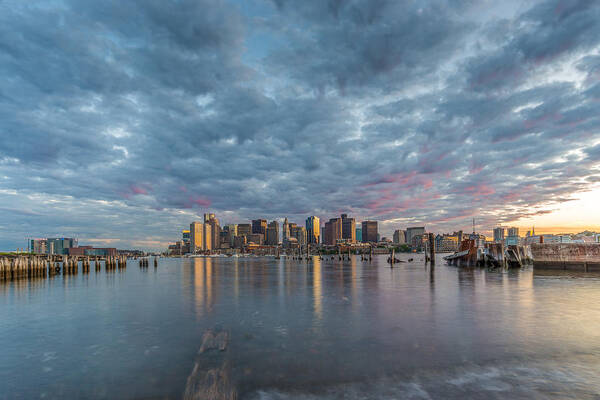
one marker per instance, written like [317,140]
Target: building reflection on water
[317,285]
[202,288]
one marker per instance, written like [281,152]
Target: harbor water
[317,329]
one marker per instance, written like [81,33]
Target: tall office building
[196,237]
[300,234]
[399,236]
[369,231]
[215,229]
[232,232]
[313,229]
[499,234]
[333,231]
[285,233]
[244,229]
[272,233]
[260,226]
[348,228]
[359,234]
[414,231]
[200,237]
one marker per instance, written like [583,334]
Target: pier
[18,266]
[583,257]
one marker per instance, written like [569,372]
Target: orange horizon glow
[578,215]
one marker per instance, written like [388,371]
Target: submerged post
[431,249]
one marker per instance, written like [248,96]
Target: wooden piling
[431,249]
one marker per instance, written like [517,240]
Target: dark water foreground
[297,330]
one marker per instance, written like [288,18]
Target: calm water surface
[302,330]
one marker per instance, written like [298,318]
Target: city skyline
[424,113]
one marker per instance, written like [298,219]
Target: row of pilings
[144,262]
[33,266]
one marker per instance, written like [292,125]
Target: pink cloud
[138,190]
[197,201]
[480,190]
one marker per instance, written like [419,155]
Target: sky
[123,121]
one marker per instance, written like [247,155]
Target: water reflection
[317,287]
[202,272]
[304,329]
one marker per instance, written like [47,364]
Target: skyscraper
[215,229]
[412,232]
[196,237]
[272,233]
[313,229]
[369,231]
[299,233]
[259,226]
[244,229]
[200,237]
[333,231]
[348,228]
[359,234]
[285,235]
[232,230]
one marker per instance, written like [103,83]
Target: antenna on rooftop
[473,225]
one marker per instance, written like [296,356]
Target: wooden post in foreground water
[431,249]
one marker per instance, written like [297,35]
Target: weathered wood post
[431,249]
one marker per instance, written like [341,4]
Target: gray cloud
[122,122]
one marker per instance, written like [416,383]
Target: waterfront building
[412,232]
[244,229]
[224,239]
[446,243]
[259,226]
[196,237]
[39,246]
[215,229]
[93,251]
[60,245]
[239,241]
[176,249]
[399,236]
[358,235]
[286,232]
[232,232]
[256,238]
[499,234]
[513,237]
[369,232]
[332,231]
[185,236]
[200,237]
[300,234]
[313,229]
[273,233]
[348,228]
[417,242]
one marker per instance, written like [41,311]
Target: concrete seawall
[568,256]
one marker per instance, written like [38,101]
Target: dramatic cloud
[121,122]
